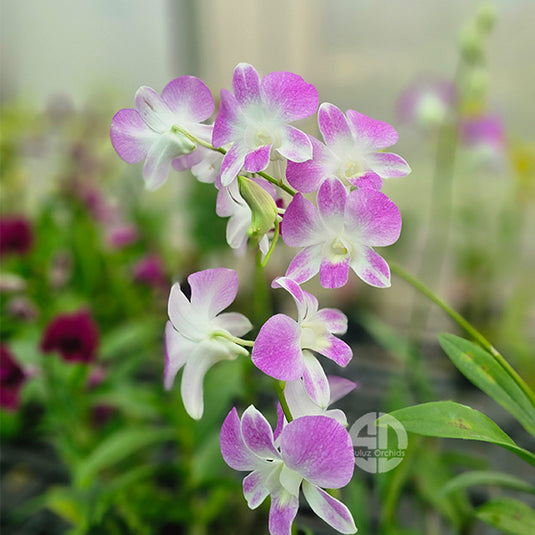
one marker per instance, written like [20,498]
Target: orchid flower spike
[283,346]
[198,334]
[154,131]
[352,152]
[311,453]
[255,119]
[340,234]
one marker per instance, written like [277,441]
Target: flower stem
[278,183]
[234,339]
[279,388]
[464,324]
[273,243]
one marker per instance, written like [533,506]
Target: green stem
[278,183]
[279,388]
[235,339]
[273,243]
[464,324]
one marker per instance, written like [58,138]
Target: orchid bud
[262,205]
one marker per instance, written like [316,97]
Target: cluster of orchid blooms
[310,448]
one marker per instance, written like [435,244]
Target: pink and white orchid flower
[198,334]
[352,152]
[153,131]
[255,119]
[340,234]
[311,453]
[280,349]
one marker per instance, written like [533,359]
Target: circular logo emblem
[378,449]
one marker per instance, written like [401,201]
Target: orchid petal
[373,217]
[233,322]
[258,159]
[257,434]
[177,349]
[371,268]
[282,512]
[277,351]
[295,145]
[305,264]
[228,116]
[337,350]
[333,126]
[290,94]
[130,136]
[246,84]
[334,512]
[232,163]
[299,402]
[315,380]
[184,319]
[331,200]
[370,133]
[153,110]
[334,273]
[334,319]
[233,449]
[213,290]
[158,162]
[189,98]
[290,480]
[340,387]
[295,291]
[301,225]
[369,179]
[254,490]
[388,164]
[320,449]
[307,176]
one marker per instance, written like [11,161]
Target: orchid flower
[280,349]
[340,234]
[352,152]
[154,130]
[198,334]
[255,119]
[311,453]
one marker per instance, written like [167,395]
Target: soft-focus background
[100,242]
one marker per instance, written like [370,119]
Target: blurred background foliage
[100,447]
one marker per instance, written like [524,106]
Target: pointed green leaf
[447,419]
[117,447]
[482,369]
[486,477]
[509,516]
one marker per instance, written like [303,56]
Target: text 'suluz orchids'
[310,449]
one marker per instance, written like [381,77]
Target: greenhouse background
[95,444]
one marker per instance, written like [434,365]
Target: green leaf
[482,369]
[508,515]
[486,477]
[117,447]
[447,419]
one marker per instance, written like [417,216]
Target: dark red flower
[12,378]
[16,236]
[73,336]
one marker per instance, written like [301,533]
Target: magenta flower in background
[152,130]
[149,270]
[197,335]
[74,336]
[120,235]
[311,453]
[426,102]
[483,131]
[352,152]
[231,204]
[12,377]
[340,234]
[280,347]
[16,235]
[255,119]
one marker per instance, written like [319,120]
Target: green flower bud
[263,207]
[471,44]
[486,18]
